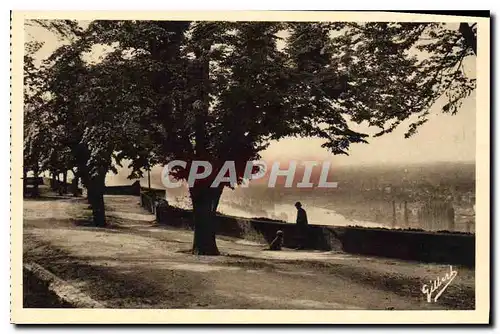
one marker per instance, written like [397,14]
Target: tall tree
[400,70]
[35,131]
[94,108]
[221,91]
[90,110]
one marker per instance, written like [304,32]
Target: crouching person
[277,242]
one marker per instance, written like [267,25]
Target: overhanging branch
[469,36]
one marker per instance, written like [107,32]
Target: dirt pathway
[137,264]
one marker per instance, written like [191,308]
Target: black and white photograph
[260,162]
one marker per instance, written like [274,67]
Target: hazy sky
[442,138]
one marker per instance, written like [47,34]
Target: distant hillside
[458,176]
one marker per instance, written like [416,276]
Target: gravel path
[136,264]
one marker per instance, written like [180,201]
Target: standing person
[302,225]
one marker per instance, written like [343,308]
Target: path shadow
[140,286]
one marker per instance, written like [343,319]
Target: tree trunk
[53,181]
[35,192]
[74,184]
[96,200]
[205,202]
[59,184]
[204,198]
[149,178]
[88,185]
[65,182]
[25,179]
[469,36]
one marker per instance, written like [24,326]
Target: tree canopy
[219,91]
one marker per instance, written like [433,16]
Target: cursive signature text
[434,285]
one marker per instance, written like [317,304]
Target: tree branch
[469,36]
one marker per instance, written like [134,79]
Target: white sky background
[443,138]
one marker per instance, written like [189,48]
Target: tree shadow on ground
[456,297]
[88,222]
[251,264]
[36,294]
[55,198]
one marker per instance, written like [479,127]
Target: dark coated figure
[301,226]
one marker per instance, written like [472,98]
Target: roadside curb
[65,291]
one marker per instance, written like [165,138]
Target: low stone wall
[31,181]
[133,189]
[449,248]
[160,193]
[40,284]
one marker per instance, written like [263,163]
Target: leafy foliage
[397,70]
[219,91]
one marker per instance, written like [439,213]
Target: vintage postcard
[250,168]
